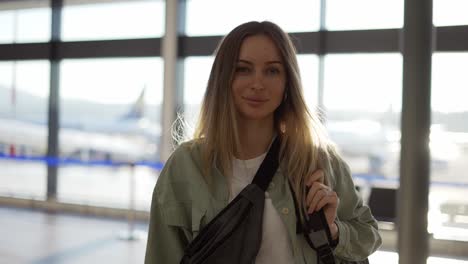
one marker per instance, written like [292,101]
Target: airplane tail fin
[137,110]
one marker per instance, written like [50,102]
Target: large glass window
[292,16]
[450,12]
[308,66]
[363,104]
[24,91]
[25,25]
[113,20]
[197,72]
[110,113]
[362,99]
[449,146]
[364,14]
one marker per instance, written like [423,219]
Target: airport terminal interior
[91,89]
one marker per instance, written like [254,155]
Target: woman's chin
[257,116]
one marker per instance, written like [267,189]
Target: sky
[356,76]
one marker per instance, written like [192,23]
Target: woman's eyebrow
[268,62]
[272,62]
[245,61]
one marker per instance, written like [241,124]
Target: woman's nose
[257,82]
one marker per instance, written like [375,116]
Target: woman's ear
[285,95]
[282,127]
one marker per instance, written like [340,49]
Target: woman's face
[259,79]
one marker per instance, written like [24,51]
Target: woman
[254,93]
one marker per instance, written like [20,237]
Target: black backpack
[235,234]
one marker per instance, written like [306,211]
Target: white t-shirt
[275,247]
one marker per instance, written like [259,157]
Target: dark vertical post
[413,245]
[53,117]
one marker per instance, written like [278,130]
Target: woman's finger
[319,196]
[317,176]
[316,193]
[312,192]
[330,199]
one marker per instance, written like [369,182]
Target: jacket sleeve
[358,229]
[169,228]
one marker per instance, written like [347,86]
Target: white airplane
[380,144]
[133,137]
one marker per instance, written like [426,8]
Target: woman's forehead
[259,48]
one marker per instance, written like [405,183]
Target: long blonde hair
[304,143]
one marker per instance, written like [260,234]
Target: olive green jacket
[183,203]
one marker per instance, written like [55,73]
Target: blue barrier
[373,178]
[55,161]
[369,177]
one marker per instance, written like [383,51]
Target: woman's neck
[255,137]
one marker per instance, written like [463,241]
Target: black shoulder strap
[269,166]
[316,232]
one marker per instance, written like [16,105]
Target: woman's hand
[321,196]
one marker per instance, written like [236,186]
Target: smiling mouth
[255,100]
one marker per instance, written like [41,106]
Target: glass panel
[197,71]
[110,113]
[450,12]
[24,91]
[364,14]
[362,97]
[25,25]
[449,147]
[363,103]
[308,66]
[118,20]
[232,13]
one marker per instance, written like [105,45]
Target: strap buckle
[326,255]
[318,240]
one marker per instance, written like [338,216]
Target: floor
[30,236]
[35,237]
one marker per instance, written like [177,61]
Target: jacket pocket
[198,220]
[177,215]
[184,216]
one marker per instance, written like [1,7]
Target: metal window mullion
[53,110]
[321,61]
[449,39]
[413,238]
[173,73]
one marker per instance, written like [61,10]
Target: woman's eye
[273,71]
[242,69]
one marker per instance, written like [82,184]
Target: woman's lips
[255,101]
